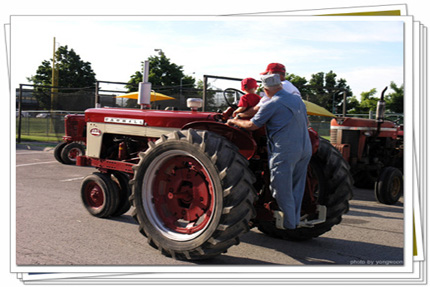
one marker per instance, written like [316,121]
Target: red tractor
[374,151]
[73,144]
[195,183]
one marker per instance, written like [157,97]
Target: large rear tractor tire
[331,186]
[192,194]
[389,186]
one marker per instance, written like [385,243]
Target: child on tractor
[250,99]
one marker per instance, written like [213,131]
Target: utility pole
[54,81]
[54,89]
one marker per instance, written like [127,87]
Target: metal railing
[47,126]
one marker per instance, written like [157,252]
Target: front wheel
[71,151]
[99,194]
[193,194]
[389,186]
[57,151]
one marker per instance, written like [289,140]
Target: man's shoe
[279,216]
[305,224]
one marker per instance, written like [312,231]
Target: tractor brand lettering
[95,132]
[125,121]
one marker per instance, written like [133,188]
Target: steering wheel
[235,92]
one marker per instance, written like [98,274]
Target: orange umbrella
[154,96]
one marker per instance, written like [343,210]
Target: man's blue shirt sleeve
[263,114]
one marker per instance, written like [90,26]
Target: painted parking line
[29,152]
[35,163]
[72,179]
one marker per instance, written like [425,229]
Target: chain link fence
[41,109]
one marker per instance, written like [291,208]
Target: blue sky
[367,53]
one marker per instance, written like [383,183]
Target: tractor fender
[241,138]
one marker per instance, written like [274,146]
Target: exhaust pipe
[380,111]
[144,95]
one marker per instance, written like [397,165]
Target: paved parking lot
[53,228]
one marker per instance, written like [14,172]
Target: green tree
[367,103]
[300,83]
[352,105]
[162,74]
[166,77]
[394,101]
[72,71]
[327,91]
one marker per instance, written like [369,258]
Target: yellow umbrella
[154,96]
[315,110]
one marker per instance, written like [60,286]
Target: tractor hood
[152,118]
[360,123]
[366,126]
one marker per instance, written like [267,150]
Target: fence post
[19,113]
[49,122]
[205,87]
[97,104]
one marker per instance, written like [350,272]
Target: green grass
[35,138]
[42,130]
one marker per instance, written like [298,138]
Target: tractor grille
[72,128]
[333,136]
[351,138]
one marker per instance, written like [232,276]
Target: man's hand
[245,124]
[249,113]
[230,122]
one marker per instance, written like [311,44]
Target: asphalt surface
[54,229]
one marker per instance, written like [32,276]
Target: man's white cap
[271,80]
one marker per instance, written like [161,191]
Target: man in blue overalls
[288,144]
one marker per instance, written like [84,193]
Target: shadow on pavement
[318,251]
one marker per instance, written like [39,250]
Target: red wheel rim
[74,153]
[183,195]
[94,195]
[178,195]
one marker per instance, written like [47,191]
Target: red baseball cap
[274,68]
[249,83]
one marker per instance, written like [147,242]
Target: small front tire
[122,180]
[99,195]
[389,186]
[58,150]
[71,151]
